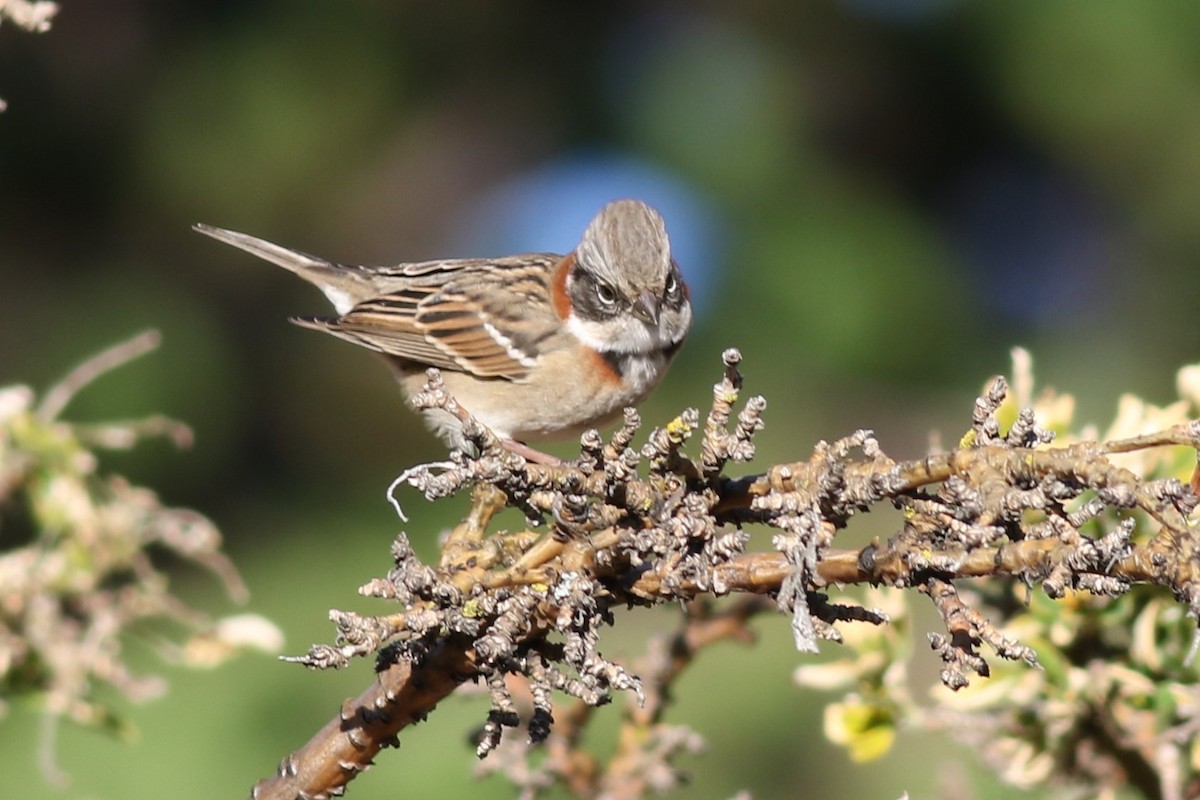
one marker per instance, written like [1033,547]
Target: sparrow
[535,346]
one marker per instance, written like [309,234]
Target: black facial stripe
[674,300]
[674,288]
[584,289]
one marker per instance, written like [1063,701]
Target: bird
[537,346]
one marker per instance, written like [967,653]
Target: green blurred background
[874,199]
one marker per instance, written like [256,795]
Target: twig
[107,360]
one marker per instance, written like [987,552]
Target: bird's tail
[336,281]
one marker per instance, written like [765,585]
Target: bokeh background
[874,199]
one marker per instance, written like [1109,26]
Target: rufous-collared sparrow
[535,346]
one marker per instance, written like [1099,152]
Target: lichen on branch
[623,527]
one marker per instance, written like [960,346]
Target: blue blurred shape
[547,209]
[1039,246]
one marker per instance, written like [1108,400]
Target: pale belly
[548,405]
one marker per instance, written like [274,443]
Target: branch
[403,693]
[628,527]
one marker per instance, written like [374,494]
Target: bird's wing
[487,318]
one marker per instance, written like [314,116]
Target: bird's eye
[606,294]
[672,285]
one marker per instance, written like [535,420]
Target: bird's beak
[647,307]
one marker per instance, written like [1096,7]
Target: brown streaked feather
[487,323]
[415,348]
